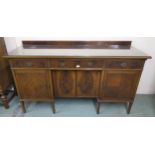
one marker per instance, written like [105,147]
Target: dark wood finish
[76,63]
[29,63]
[5,75]
[77,44]
[5,79]
[76,83]
[119,85]
[34,84]
[64,83]
[90,63]
[88,83]
[124,64]
[106,78]
[62,63]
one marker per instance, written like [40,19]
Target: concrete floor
[144,106]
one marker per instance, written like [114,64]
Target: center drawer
[29,63]
[76,63]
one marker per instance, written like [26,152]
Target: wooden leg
[23,106]
[129,107]
[98,108]
[53,107]
[5,101]
[15,90]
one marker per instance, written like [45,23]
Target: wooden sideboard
[6,80]
[106,71]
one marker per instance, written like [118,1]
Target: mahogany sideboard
[108,71]
[6,80]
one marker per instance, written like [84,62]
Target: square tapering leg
[53,107]
[129,107]
[23,106]
[98,108]
[5,101]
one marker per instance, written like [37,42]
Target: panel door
[34,84]
[88,83]
[119,84]
[64,83]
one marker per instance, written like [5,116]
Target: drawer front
[77,63]
[62,63]
[29,63]
[92,63]
[124,64]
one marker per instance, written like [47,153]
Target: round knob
[77,66]
[124,64]
[90,64]
[62,64]
[29,64]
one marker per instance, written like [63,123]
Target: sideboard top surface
[77,53]
[77,49]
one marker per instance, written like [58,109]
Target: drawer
[77,63]
[92,63]
[62,63]
[29,63]
[124,64]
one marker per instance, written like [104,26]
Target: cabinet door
[64,83]
[119,85]
[34,84]
[88,83]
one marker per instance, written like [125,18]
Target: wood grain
[5,74]
[34,84]
[77,44]
[107,78]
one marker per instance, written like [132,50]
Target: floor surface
[144,106]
